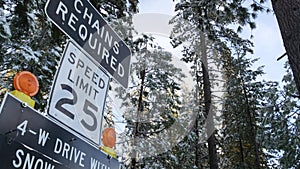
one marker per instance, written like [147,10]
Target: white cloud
[157,6]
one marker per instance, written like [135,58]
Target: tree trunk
[212,150]
[197,145]
[140,109]
[288,17]
[242,151]
[252,124]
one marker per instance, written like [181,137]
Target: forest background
[259,118]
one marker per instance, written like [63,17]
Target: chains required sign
[79,93]
[85,25]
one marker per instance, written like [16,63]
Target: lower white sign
[79,93]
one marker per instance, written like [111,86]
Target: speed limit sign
[78,94]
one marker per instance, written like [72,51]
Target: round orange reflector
[26,82]
[109,137]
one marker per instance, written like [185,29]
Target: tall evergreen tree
[244,94]
[152,102]
[279,121]
[34,44]
[198,48]
[244,145]
[221,21]
[215,20]
[287,14]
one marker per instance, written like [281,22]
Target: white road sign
[79,93]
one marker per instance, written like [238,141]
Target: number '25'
[88,108]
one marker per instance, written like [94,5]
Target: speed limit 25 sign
[79,93]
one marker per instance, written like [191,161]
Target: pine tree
[243,147]
[197,50]
[280,124]
[215,19]
[287,14]
[30,46]
[152,102]
[221,21]
[244,94]
[5,34]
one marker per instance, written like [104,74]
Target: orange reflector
[26,82]
[109,137]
